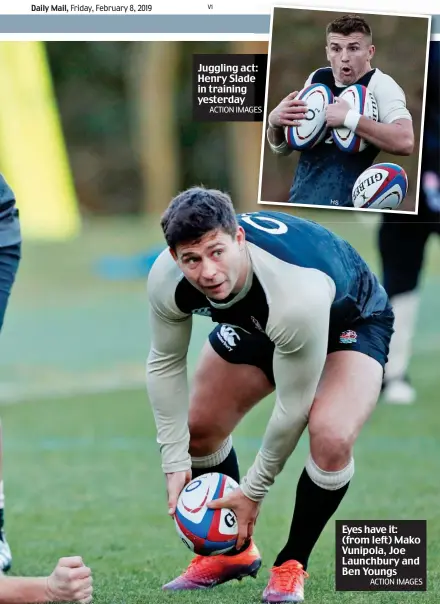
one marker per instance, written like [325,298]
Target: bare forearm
[392,138]
[23,590]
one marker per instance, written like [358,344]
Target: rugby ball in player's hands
[204,531]
[380,187]
[313,127]
[361,100]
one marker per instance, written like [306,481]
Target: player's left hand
[245,509]
[336,113]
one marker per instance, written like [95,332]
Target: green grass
[82,472]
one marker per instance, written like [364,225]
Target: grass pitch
[82,470]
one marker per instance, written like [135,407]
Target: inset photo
[345,101]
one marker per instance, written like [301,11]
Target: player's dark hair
[194,213]
[349,24]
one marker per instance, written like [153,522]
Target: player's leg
[5,552]
[234,373]
[2,494]
[346,396]
[402,241]
[9,259]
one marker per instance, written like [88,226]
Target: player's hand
[289,112]
[245,509]
[176,482]
[336,112]
[70,581]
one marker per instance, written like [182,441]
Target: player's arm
[23,590]
[283,115]
[300,335]
[70,581]
[167,384]
[396,138]
[393,132]
[287,113]
[167,387]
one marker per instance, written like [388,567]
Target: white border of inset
[422,117]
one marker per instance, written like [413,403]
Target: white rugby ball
[204,531]
[313,127]
[380,187]
[361,100]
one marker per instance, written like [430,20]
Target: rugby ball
[204,531]
[380,187]
[361,100]
[313,127]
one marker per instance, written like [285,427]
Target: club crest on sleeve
[204,312]
[348,337]
[257,323]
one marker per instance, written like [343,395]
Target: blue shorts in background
[9,261]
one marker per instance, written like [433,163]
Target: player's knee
[198,441]
[331,450]
[204,439]
[200,446]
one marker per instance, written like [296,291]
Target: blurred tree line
[298,49]
[126,112]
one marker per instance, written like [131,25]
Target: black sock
[314,506]
[229,466]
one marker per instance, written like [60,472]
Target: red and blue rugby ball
[380,187]
[313,127]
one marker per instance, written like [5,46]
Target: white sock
[405,308]
[2,496]
[330,481]
[216,458]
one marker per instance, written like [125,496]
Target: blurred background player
[325,174]
[402,243]
[70,581]
[10,242]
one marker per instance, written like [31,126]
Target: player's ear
[326,53]
[241,235]
[371,51]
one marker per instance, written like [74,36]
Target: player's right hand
[289,112]
[176,482]
[70,581]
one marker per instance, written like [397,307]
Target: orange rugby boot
[208,571]
[286,583]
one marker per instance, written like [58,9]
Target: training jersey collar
[242,293]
